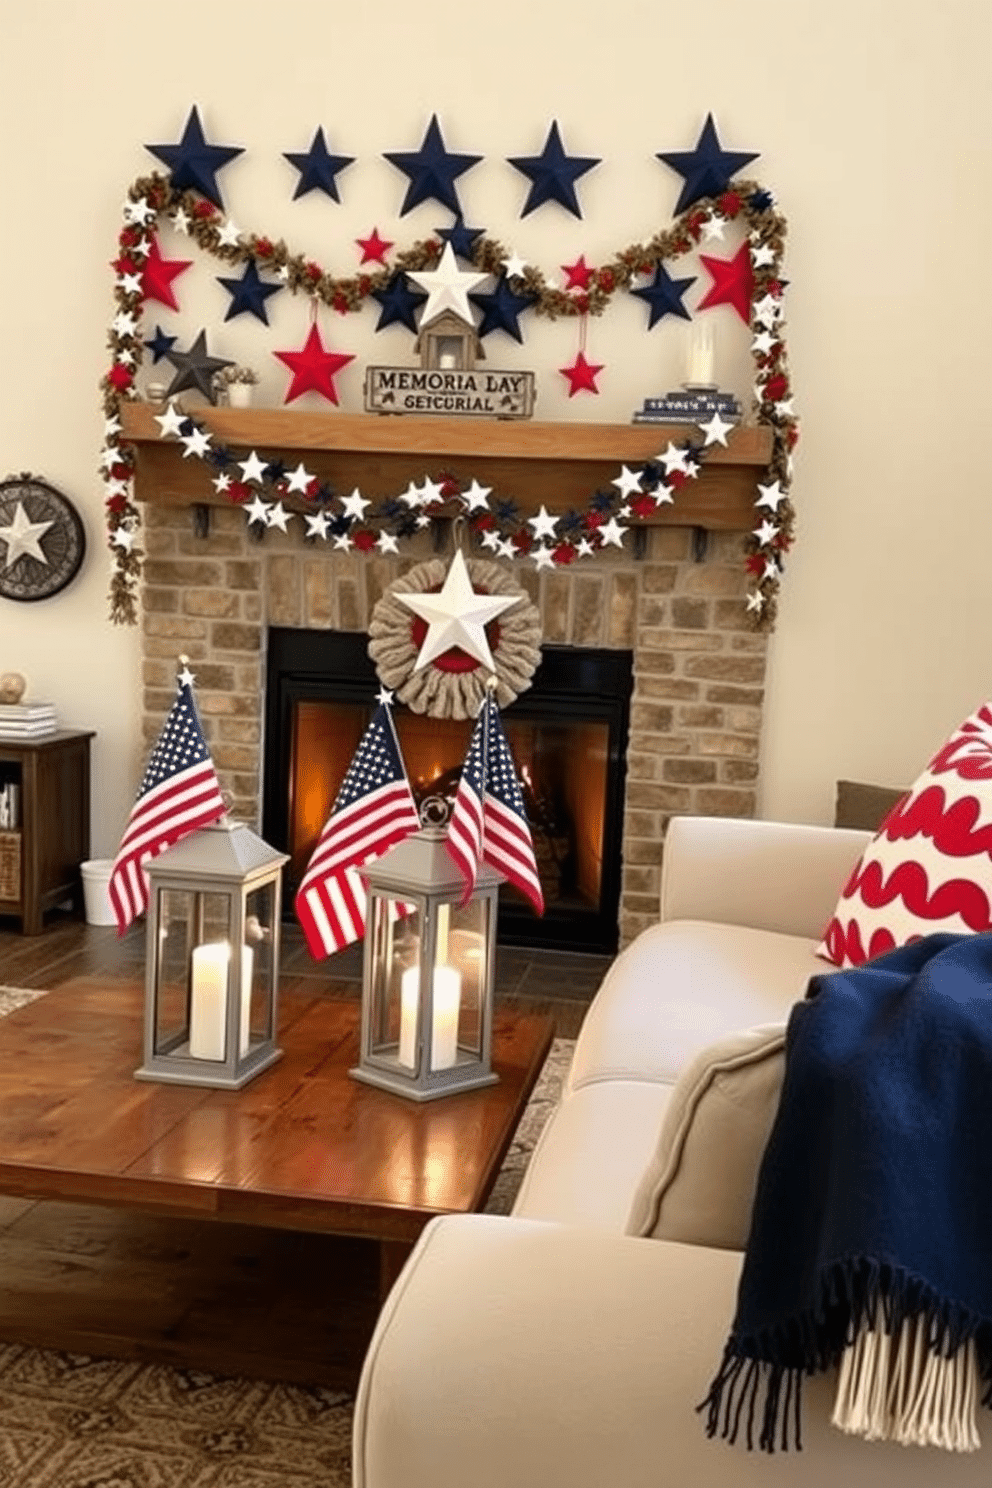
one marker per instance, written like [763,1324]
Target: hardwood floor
[227,1298]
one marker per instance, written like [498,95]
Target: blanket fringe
[899,1387]
[735,1401]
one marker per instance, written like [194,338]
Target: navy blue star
[462,239]
[431,171]
[501,310]
[317,167]
[399,303]
[760,201]
[664,295]
[193,163]
[160,344]
[706,170]
[552,174]
[248,294]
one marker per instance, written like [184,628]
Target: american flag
[374,809]
[488,821]
[178,795]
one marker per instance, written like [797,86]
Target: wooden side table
[40,857]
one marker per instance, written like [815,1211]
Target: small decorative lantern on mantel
[212,958]
[429,972]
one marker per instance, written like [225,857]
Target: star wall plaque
[42,539]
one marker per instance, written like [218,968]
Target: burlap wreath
[440,693]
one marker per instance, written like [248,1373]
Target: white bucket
[96,896]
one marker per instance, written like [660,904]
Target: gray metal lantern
[212,958]
[429,971]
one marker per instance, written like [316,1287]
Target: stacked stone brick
[699,670]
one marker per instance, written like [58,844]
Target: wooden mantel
[560,465]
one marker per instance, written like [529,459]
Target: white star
[282,272]
[766,532]
[278,516]
[125,357]
[111,426]
[171,421]
[180,222]
[490,540]
[784,409]
[355,504]
[257,511]
[197,443]
[123,538]
[228,234]
[542,556]
[130,283]
[612,532]
[386,543]
[186,678]
[109,455]
[140,249]
[770,496]
[763,343]
[674,459]
[544,523]
[342,541]
[221,483]
[766,310]
[584,548]
[253,469]
[422,521]
[771,569]
[505,548]
[762,255]
[384,696]
[317,525]
[433,491]
[716,430]
[663,496]
[22,537]
[457,616]
[299,479]
[627,482]
[477,496]
[514,266]
[447,288]
[138,212]
[713,228]
[124,323]
[115,487]
[413,497]
[755,601]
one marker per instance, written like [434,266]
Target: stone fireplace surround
[699,670]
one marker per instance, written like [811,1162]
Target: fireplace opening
[568,736]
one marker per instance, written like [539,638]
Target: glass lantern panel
[395,977]
[461,990]
[176,918]
[260,954]
[210,967]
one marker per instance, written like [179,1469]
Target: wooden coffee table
[302,1147]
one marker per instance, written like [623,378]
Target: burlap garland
[443,694]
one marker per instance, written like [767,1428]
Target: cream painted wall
[872,118]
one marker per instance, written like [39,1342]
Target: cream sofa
[553,1349]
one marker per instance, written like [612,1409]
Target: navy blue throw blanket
[874,1196]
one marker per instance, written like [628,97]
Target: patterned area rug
[70,1421]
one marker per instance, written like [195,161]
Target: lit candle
[700,371]
[447,1003]
[208,1011]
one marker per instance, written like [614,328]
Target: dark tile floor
[561,983]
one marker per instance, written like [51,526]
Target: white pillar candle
[208,1011]
[447,1003]
[700,371]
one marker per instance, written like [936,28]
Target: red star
[733,282]
[159,272]
[313,368]
[578,273]
[374,249]
[581,375]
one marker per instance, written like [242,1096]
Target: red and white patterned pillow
[929,866]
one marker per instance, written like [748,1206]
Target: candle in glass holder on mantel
[699,372]
[208,1009]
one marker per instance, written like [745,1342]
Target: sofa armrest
[516,1354]
[781,876]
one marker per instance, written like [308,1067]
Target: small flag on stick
[488,822]
[374,810]
[178,795]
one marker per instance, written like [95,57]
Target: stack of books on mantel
[27,720]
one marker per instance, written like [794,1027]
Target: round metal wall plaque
[42,539]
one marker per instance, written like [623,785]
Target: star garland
[500,528]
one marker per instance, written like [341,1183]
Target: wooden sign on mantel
[462,392]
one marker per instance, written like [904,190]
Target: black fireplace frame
[587,684]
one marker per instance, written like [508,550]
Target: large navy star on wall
[553,174]
[318,168]
[706,170]
[431,171]
[501,310]
[399,304]
[193,163]
[664,295]
[248,294]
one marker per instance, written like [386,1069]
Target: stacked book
[27,720]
